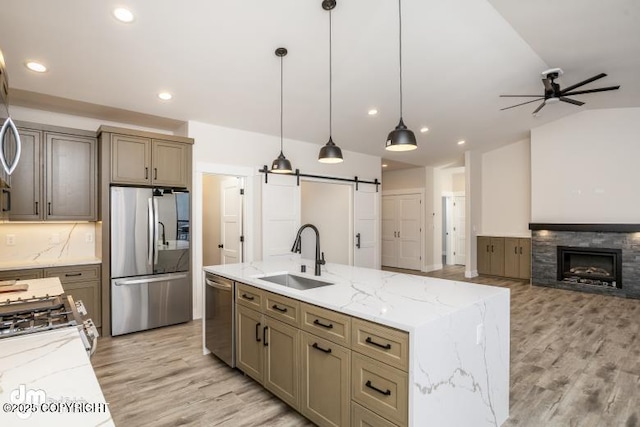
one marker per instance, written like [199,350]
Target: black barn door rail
[265,170]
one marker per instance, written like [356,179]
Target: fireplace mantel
[597,228]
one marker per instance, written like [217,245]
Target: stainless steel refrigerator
[150,262]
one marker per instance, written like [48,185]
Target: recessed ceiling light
[36,66]
[373,112]
[165,96]
[123,15]
[424,129]
[462,141]
[384,165]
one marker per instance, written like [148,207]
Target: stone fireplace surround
[545,238]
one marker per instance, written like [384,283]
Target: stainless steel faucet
[297,247]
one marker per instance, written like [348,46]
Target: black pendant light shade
[401,138]
[281,164]
[330,153]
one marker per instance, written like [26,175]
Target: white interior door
[459,236]
[389,231]
[449,230]
[231,220]
[366,203]
[280,215]
[409,231]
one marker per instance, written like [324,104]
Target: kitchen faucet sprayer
[297,247]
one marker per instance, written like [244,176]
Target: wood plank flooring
[575,361]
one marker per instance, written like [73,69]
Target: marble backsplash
[46,242]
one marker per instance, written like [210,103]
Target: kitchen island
[46,378]
[458,371]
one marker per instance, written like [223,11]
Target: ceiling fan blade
[539,108]
[522,103]
[519,96]
[547,84]
[582,83]
[571,101]
[600,89]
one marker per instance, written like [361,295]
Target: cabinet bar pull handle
[520,250]
[264,336]
[386,392]
[72,274]
[386,346]
[155,173]
[8,193]
[49,208]
[491,248]
[515,250]
[398,234]
[258,332]
[319,323]
[37,213]
[146,173]
[281,310]
[249,297]
[317,347]
[487,248]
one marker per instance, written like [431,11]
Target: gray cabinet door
[130,160]
[170,163]
[26,180]
[71,177]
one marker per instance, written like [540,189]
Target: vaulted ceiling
[217,59]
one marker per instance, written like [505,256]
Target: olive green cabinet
[491,255]
[517,257]
[249,335]
[56,178]
[139,160]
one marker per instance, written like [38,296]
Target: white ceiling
[217,58]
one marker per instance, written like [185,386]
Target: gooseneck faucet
[297,246]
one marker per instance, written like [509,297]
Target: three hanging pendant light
[401,138]
[281,164]
[330,152]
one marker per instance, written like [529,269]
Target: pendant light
[330,153]
[401,138]
[281,164]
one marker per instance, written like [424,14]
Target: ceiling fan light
[281,165]
[330,153]
[552,100]
[401,139]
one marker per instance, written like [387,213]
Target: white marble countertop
[398,300]
[46,371]
[37,288]
[28,264]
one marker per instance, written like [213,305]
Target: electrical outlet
[11,239]
[88,238]
[479,333]
[55,238]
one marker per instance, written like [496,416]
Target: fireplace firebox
[590,266]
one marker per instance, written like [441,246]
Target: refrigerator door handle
[152,237]
[156,231]
[139,281]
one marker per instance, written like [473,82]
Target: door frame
[423,231]
[250,178]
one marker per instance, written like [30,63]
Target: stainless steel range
[33,315]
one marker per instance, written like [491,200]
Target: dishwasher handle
[218,284]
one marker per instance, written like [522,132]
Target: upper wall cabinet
[56,178]
[139,160]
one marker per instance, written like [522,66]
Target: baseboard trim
[471,274]
[433,267]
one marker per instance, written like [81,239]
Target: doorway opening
[453,229]
[222,219]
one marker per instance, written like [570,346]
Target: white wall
[585,168]
[402,179]
[328,206]
[506,190]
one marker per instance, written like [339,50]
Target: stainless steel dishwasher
[220,318]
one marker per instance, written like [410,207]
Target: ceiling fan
[553,93]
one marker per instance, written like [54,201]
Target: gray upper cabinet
[145,161]
[56,178]
[71,178]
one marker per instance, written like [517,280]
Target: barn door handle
[221,246]
[358,240]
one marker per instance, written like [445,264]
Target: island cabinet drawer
[27,274]
[362,417]
[326,324]
[282,308]
[385,344]
[249,296]
[380,388]
[74,273]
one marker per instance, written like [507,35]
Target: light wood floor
[575,361]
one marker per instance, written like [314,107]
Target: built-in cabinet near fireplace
[590,266]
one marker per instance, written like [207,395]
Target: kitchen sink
[295,282]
